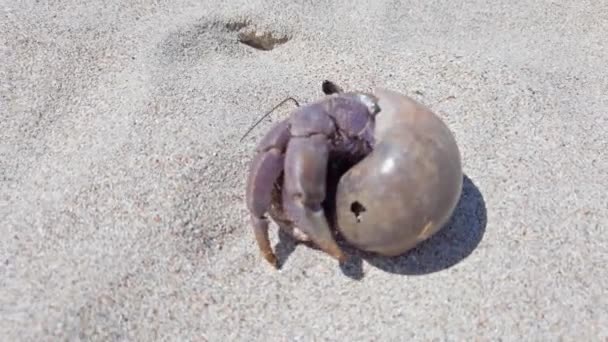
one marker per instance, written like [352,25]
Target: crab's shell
[408,187]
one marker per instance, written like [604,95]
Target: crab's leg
[305,189]
[264,171]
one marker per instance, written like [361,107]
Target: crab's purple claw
[304,190]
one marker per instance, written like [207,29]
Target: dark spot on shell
[357,209]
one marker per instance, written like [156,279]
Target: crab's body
[291,174]
[294,155]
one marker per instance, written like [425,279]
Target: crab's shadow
[457,240]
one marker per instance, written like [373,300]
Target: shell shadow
[452,244]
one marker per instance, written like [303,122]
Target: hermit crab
[378,168]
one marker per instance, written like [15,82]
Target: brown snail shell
[408,187]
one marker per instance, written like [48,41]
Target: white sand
[122,177]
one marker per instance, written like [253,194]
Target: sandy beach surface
[122,176]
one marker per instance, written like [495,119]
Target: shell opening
[357,209]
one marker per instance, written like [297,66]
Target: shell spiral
[408,187]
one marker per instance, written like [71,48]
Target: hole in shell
[357,209]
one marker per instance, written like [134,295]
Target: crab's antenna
[268,113]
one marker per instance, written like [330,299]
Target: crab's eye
[375,109]
[371,104]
